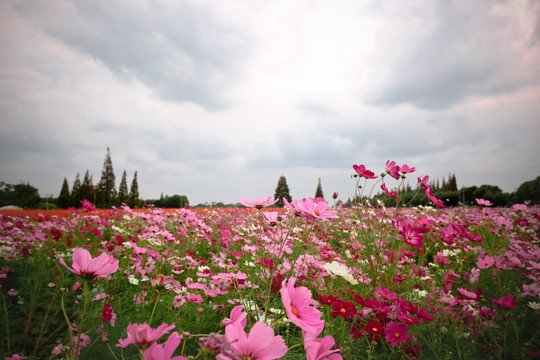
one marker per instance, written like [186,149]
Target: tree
[134,192]
[87,188]
[107,190]
[282,191]
[528,191]
[76,192]
[319,192]
[123,190]
[64,197]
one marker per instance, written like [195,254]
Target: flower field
[307,281]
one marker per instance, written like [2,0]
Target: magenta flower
[406,169]
[412,236]
[297,304]
[483,202]
[396,333]
[258,203]
[90,268]
[392,169]
[108,314]
[389,193]
[430,196]
[321,349]
[143,335]
[507,302]
[363,172]
[485,262]
[424,181]
[259,344]
[165,351]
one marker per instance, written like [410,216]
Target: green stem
[7,323]
[154,305]
[85,291]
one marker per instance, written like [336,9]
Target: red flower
[344,309]
[327,300]
[374,329]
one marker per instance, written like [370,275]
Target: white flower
[132,279]
[340,270]
[534,305]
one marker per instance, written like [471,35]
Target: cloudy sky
[217,99]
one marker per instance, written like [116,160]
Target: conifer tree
[134,192]
[64,198]
[123,190]
[86,188]
[107,182]
[76,192]
[282,191]
[319,191]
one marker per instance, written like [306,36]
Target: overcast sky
[217,99]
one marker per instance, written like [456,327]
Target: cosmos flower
[258,203]
[90,268]
[392,169]
[363,172]
[259,344]
[297,303]
[143,335]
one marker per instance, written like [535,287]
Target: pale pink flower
[321,349]
[392,169]
[143,334]
[483,202]
[57,349]
[237,316]
[79,342]
[317,209]
[485,262]
[297,303]
[165,351]
[258,203]
[259,344]
[90,268]
[195,298]
[273,217]
[16,357]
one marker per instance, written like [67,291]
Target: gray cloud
[182,51]
[469,52]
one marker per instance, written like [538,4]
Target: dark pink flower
[424,181]
[143,335]
[297,303]
[90,268]
[108,314]
[259,344]
[432,197]
[392,169]
[345,309]
[396,333]
[258,203]
[363,172]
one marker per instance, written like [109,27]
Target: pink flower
[483,202]
[507,302]
[317,209]
[79,342]
[143,335]
[258,203]
[273,217]
[392,169]
[237,316]
[259,344]
[16,357]
[90,268]
[412,236]
[389,193]
[297,303]
[363,172]
[406,169]
[88,206]
[165,351]
[321,349]
[195,298]
[396,333]
[485,262]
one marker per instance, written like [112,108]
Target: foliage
[529,191]
[169,202]
[76,192]
[134,192]
[282,191]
